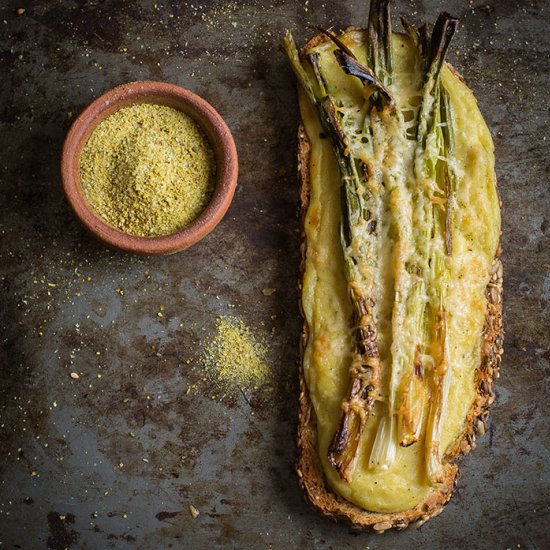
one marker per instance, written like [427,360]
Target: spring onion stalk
[387,130]
[429,200]
[408,392]
[358,238]
[380,56]
[442,373]
[411,394]
[390,134]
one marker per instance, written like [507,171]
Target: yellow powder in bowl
[148,170]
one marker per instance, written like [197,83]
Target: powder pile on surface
[235,356]
[148,170]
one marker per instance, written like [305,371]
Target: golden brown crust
[309,468]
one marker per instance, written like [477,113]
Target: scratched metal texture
[68,304]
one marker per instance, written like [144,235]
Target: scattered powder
[235,356]
[148,170]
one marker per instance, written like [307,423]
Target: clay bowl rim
[160,93]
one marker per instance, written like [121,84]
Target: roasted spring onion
[408,392]
[358,235]
[442,371]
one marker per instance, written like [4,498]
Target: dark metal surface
[62,440]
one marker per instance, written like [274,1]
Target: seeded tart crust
[308,467]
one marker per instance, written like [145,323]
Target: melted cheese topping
[326,305]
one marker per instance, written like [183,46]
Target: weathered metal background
[62,440]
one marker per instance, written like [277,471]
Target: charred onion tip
[442,34]
[327,32]
[337,41]
[410,29]
[405,22]
[380,12]
[351,66]
[377,7]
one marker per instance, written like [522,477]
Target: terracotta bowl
[159,93]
